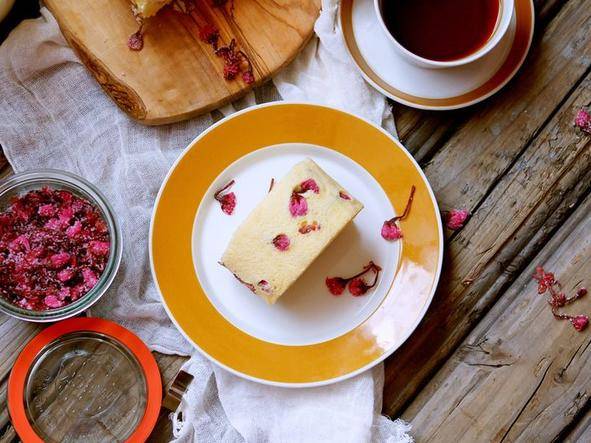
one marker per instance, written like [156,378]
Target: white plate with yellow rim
[435,89]
[309,337]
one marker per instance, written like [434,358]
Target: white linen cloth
[54,115]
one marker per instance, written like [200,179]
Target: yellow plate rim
[386,353]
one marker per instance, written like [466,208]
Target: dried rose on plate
[54,246]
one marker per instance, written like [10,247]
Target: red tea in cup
[441,30]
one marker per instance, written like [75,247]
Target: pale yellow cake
[283,235]
[147,8]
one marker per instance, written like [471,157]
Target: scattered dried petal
[136,40]
[53,302]
[209,34]
[336,285]
[580,322]
[248,77]
[583,120]
[357,285]
[344,195]
[391,231]
[548,283]
[281,242]
[456,218]
[228,200]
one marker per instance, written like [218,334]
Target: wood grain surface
[465,171]
[176,75]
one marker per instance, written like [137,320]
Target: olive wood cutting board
[176,75]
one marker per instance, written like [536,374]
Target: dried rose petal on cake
[281,242]
[298,205]
[307,185]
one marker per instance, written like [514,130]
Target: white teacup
[502,26]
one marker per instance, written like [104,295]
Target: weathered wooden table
[489,362]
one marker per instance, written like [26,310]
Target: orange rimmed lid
[87,378]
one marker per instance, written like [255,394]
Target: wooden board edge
[131,103]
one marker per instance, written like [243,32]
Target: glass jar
[21,183]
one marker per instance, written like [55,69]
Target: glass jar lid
[85,379]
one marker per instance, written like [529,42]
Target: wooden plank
[581,433]
[466,170]
[423,132]
[521,375]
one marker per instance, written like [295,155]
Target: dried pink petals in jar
[54,246]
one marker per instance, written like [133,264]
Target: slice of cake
[283,235]
[147,8]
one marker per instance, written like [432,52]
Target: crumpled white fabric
[54,115]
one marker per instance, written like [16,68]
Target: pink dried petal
[60,259]
[281,242]
[358,287]
[583,120]
[581,292]
[53,224]
[21,243]
[53,302]
[265,286]
[64,293]
[65,274]
[297,205]
[209,34]
[307,185]
[580,322]
[228,200]
[228,203]
[65,215]
[90,278]
[100,248]
[231,71]
[135,42]
[65,196]
[558,300]
[74,230]
[456,218]
[336,285]
[344,195]
[391,231]
[47,210]
[248,77]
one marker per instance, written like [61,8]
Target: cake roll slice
[147,8]
[302,214]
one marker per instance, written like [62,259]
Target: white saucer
[393,75]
